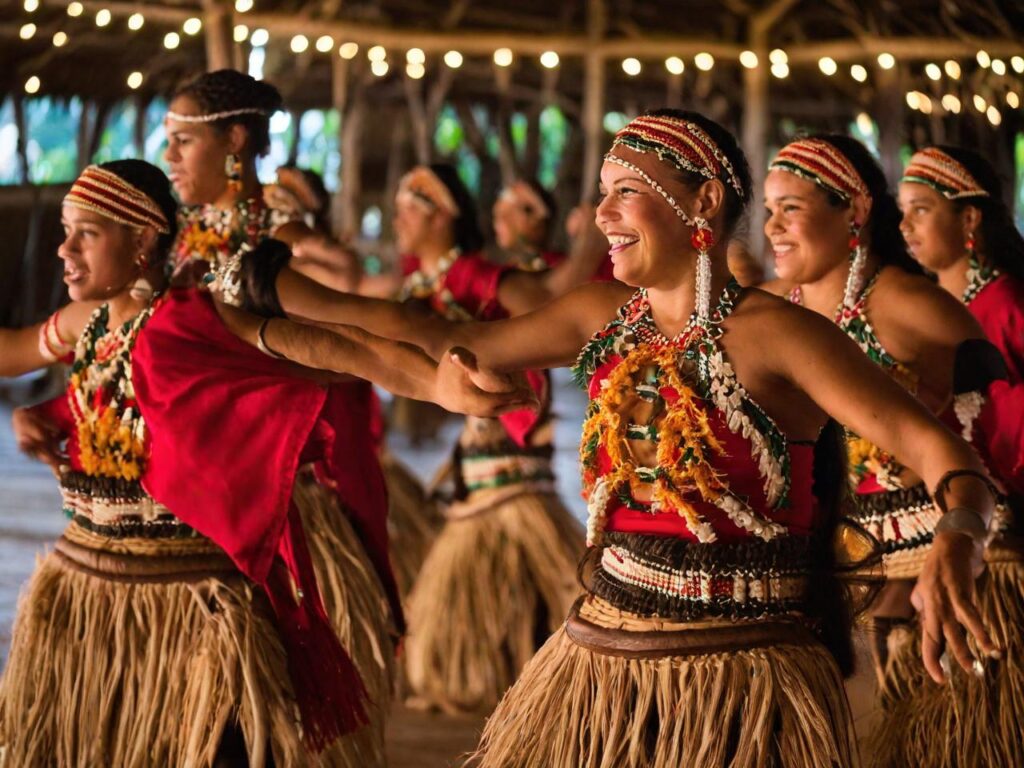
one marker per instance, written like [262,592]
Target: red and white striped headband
[821,162]
[942,173]
[100,191]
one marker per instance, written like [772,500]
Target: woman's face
[195,154]
[646,236]
[98,255]
[415,226]
[931,225]
[809,236]
[515,221]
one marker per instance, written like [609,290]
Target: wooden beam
[485,42]
[339,100]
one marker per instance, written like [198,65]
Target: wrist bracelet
[963,520]
[261,343]
[939,494]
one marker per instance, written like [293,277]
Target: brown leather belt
[148,569]
[703,638]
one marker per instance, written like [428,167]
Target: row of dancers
[761,471]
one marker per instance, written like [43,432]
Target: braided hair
[228,89]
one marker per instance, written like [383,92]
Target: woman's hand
[462,387]
[38,437]
[944,597]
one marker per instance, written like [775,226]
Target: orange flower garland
[683,448]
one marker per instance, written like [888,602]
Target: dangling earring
[703,239]
[972,257]
[233,170]
[142,289]
[858,258]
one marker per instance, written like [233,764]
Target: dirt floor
[430,740]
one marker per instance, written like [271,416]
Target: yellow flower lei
[684,426]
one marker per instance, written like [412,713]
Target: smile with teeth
[621,242]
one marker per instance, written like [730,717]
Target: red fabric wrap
[999,308]
[473,282]
[228,428]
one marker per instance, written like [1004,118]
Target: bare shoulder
[777,287]
[596,303]
[909,300]
[777,321]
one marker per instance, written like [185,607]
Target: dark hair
[549,200]
[735,205]
[826,597]
[153,182]
[228,89]
[468,236]
[1002,241]
[883,224]
[316,185]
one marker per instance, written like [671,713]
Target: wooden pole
[756,119]
[339,100]
[351,159]
[218,35]
[593,99]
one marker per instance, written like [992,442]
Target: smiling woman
[703,453]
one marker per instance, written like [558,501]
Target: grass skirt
[717,695]
[413,522]
[142,652]
[970,722]
[496,583]
[357,606]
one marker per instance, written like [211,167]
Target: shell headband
[681,143]
[942,173]
[100,191]
[819,161]
[423,187]
[215,116]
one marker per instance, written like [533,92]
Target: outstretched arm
[20,348]
[822,361]
[399,368]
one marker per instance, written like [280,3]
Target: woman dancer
[143,638]
[957,227]
[699,641]
[834,232]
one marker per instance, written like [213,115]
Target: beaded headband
[215,116]
[100,191]
[942,173]
[534,201]
[680,142]
[821,162]
[424,187]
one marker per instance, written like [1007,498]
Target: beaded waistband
[483,471]
[903,523]
[676,579]
[118,511]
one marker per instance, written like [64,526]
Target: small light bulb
[549,59]
[631,66]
